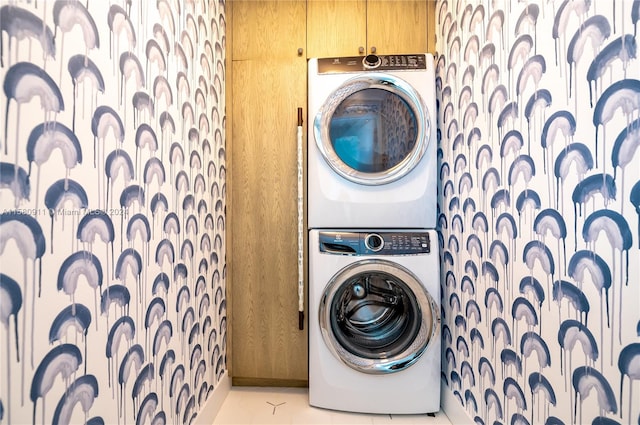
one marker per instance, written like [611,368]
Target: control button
[371,61]
[374,242]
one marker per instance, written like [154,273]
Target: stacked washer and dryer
[374,270]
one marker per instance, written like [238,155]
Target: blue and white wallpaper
[112,221]
[539,126]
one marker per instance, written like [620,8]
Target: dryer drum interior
[377,317]
[373,130]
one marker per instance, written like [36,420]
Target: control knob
[374,242]
[371,61]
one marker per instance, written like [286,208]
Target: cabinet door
[270,29]
[267,346]
[336,27]
[397,26]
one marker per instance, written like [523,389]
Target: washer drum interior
[377,317]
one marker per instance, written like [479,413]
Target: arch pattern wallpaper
[112,221]
[539,127]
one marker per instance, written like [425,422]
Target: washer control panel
[375,243]
[404,62]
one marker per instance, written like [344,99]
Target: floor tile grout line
[276,406]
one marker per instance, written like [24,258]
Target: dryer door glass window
[377,317]
[373,129]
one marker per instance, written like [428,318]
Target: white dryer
[374,321]
[372,160]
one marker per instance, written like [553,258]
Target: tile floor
[253,405]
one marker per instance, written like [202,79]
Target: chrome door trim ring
[428,328]
[389,83]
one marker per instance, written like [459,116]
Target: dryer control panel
[372,63]
[375,243]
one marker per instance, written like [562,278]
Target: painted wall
[112,229]
[539,108]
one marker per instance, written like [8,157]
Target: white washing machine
[372,142]
[374,321]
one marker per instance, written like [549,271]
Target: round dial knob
[371,61]
[374,242]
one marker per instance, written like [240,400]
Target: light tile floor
[254,405]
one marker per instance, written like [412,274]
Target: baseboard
[269,382]
[214,402]
[452,408]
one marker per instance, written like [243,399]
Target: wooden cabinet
[268,85]
[336,27]
[351,28]
[396,26]
[268,29]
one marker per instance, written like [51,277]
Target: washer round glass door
[377,317]
[373,129]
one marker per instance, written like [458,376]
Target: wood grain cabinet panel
[396,26]
[351,28]
[336,27]
[268,85]
[268,29]
[267,344]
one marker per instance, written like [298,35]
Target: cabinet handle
[361,50]
[300,159]
[373,49]
[300,51]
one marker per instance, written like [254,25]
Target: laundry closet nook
[270,43]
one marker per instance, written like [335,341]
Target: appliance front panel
[353,181]
[335,384]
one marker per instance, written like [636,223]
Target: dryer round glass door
[377,317]
[373,129]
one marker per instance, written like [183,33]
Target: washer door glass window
[377,317]
[373,130]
